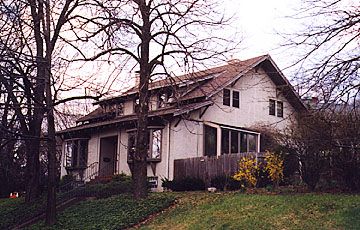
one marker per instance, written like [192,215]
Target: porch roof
[172,112]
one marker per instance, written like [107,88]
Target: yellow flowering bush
[275,167]
[248,171]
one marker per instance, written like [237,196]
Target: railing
[92,171]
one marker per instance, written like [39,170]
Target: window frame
[82,146]
[226,97]
[272,107]
[279,109]
[229,98]
[151,130]
[237,100]
[242,140]
[206,152]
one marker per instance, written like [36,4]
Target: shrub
[121,177]
[274,165]
[248,171]
[184,184]
[100,191]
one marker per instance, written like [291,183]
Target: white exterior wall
[255,91]
[186,139]
[128,107]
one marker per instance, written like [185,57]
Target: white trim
[149,127]
[238,129]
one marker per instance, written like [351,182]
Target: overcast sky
[258,21]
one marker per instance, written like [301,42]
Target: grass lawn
[243,211]
[13,211]
[117,212]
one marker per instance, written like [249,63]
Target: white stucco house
[208,113]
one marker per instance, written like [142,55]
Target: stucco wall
[186,137]
[255,91]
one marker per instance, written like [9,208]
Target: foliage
[15,211]
[274,165]
[122,177]
[184,184]
[248,171]
[101,190]
[119,212]
[66,183]
[249,211]
[327,146]
[226,183]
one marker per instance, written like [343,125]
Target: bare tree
[152,36]
[29,42]
[328,49]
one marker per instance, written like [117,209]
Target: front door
[108,150]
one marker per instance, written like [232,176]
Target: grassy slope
[10,206]
[116,212]
[241,211]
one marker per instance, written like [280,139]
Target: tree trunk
[142,143]
[51,142]
[33,166]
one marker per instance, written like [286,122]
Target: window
[224,141]
[251,142]
[234,141]
[76,152]
[155,144]
[235,99]
[117,109]
[231,95]
[164,98]
[154,153]
[279,108]
[210,140]
[272,107]
[131,145]
[226,97]
[276,108]
[136,105]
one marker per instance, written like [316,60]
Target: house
[207,113]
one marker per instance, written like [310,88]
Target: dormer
[114,109]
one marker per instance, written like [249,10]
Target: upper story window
[155,143]
[136,105]
[272,107]
[226,97]
[231,98]
[75,152]
[276,108]
[280,108]
[236,99]
[117,109]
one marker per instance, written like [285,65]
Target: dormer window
[117,109]
[136,105]
[162,100]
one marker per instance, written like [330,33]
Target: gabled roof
[205,84]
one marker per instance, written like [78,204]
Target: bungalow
[207,113]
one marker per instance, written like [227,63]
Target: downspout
[168,150]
